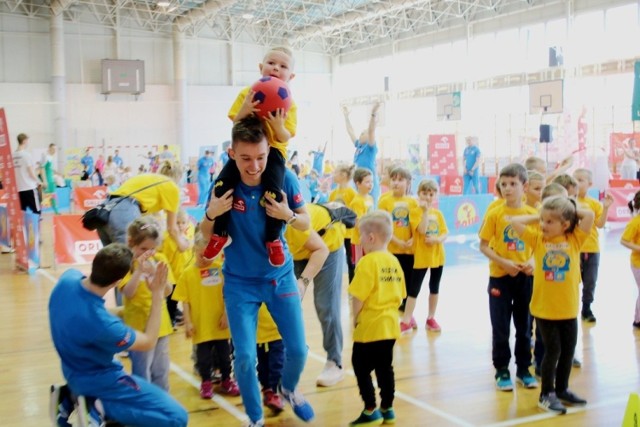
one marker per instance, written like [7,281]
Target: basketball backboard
[546,97]
[448,106]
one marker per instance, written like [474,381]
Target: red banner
[619,211]
[72,242]
[442,155]
[451,185]
[89,197]
[16,217]
[623,183]
[616,148]
[189,196]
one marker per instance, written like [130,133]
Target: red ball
[273,94]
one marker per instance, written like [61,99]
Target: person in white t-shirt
[26,178]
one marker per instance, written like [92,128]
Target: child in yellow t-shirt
[405,216]
[344,194]
[431,232]
[556,247]
[377,290]
[590,252]
[205,321]
[270,359]
[361,204]
[143,240]
[533,195]
[509,279]
[631,239]
[280,127]
[178,261]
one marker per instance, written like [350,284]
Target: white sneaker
[330,375]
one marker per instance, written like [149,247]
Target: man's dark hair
[21,138]
[249,129]
[111,264]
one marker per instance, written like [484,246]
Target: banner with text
[619,211]
[89,197]
[442,155]
[13,203]
[73,243]
[5,232]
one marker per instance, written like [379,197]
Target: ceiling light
[247,16]
[163,3]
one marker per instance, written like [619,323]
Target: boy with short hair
[279,128]
[590,251]
[510,282]
[377,290]
[569,183]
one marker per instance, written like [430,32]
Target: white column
[180,84]
[58,87]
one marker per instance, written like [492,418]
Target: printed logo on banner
[100,196]
[87,247]
[466,215]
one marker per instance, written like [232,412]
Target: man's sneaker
[405,328]
[259,423]
[216,244]
[526,380]
[503,380]
[570,398]
[330,375]
[298,403]
[432,325]
[229,387]
[272,400]
[588,316]
[549,402]
[372,419]
[388,416]
[576,363]
[276,253]
[206,390]
[60,405]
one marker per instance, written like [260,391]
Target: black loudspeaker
[545,133]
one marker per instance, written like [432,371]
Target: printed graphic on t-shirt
[239,204]
[555,266]
[389,275]
[210,277]
[511,240]
[400,214]
[432,226]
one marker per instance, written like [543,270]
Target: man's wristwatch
[293,219]
[305,281]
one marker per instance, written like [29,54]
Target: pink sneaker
[413,323]
[206,390]
[229,387]
[276,253]
[405,328]
[272,400]
[432,325]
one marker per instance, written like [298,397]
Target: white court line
[410,399]
[221,401]
[548,415]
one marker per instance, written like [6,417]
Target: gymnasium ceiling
[333,27]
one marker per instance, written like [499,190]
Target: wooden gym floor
[442,379]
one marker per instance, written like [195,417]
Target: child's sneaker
[206,389]
[60,405]
[259,423]
[569,397]
[276,253]
[298,403]
[432,325]
[216,244]
[503,380]
[272,400]
[405,328]
[549,402]
[229,387]
[526,380]
[388,416]
[372,419]
[413,323]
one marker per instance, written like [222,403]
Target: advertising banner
[189,196]
[73,243]
[32,236]
[5,233]
[89,197]
[619,211]
[464,214]
[442,155]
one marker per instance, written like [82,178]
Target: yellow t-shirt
[178,261]
[201,287]
[404,215]
[290,123]
[556,280]
[320,218]
[631,234]
[137,308]
[494,203]
[163,196]
[592,245]
[267,329]
[428,256]
[379,284]
[360,205]
[344,196]
[497,230]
